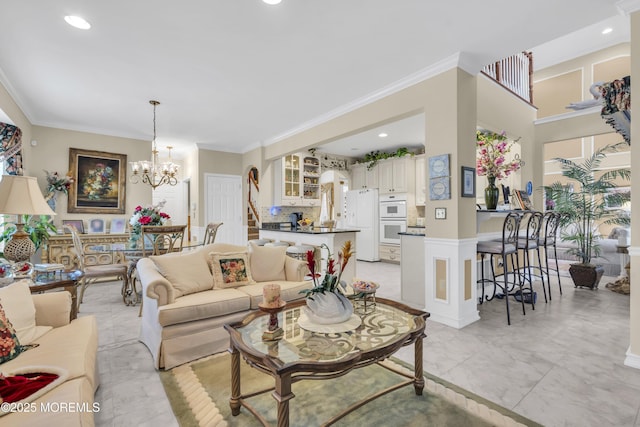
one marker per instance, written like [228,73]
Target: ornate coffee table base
[285,377]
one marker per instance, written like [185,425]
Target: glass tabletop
[383,326]
[129,248]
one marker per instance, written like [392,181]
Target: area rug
[621,286]
[199,394]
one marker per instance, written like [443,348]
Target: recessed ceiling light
[382,135]
[272,1]
[77,21]
[607,30]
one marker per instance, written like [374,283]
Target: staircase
[253,219]
[252,226]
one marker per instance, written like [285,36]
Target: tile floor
[560,365]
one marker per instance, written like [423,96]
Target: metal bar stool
[508,246]
[548,241]
[527,243]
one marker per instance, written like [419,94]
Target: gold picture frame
[99,184]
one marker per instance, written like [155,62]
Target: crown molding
[460,60]
[15,96]
[626,7]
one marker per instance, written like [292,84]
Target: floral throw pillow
[9,345]
[230,269]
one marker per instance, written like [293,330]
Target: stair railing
[514,73]
[254,192]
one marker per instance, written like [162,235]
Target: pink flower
[164,215]
[138,208]
[144,220]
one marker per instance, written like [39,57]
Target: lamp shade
[20,195]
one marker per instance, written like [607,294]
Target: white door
[175,206]
[223,203]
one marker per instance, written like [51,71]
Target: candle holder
[274,331]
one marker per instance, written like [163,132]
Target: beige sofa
[185,306]
[68,349]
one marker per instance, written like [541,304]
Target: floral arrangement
[57,183]
[333,273]
[97,182]
[150,215]
[491,160]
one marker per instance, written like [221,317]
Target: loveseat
[189,296]
[609,258]
[65,348]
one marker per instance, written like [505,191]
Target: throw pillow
[230,269]
[9,344]
[187,272]
[267,262]
[20,310]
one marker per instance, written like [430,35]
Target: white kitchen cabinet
[361,177]
[421,185]
[396,175]
[297,180]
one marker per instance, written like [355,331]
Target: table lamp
[20,195]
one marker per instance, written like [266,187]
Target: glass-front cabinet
[297,181]
[291,178]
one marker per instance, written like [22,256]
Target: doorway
[223,203]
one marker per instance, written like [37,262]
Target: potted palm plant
[584,203]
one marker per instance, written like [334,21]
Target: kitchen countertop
[315,230]
[412,234]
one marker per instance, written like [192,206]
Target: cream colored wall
[190,172]
[52,154]
[220,162]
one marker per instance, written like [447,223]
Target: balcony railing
[515,74]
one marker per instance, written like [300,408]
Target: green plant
[39,228]
[584,202]
[373,157]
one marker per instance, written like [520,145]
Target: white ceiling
[233,74]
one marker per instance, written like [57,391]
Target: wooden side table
[67,280]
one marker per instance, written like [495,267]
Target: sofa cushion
[9,344]
[187,272]
[203,305]
[72,347]
[18,306]
[289,291]
[267,262]
[230,269]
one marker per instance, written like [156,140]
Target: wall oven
[393,206]
[389,229]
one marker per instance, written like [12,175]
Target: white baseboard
[632,360]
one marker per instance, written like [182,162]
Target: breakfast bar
[333,238]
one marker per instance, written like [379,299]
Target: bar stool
[548,241]
[260,242]
[508,246]
[527,243]
[299,251]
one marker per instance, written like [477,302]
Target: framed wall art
[439,166]
[99,182]
[468,182]
[439,188]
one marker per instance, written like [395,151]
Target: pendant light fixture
[153,172]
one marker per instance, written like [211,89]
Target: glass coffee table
[304,355]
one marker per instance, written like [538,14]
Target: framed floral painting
[99,184]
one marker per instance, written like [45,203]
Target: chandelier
[153,172]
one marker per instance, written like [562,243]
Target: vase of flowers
[326,302]
[150,215]
[491,162]
[55,184]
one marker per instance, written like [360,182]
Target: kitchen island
[332,237]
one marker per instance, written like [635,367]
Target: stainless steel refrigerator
[363,214]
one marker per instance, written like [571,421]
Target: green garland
[373,157]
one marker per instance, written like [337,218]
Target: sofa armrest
[295,269]
[154,284]
[52,308]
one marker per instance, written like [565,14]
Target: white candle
[271,295]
